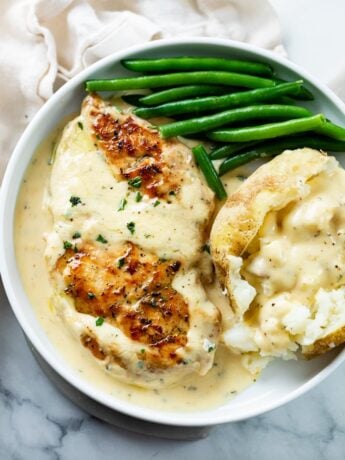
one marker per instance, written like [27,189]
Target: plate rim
[187,419]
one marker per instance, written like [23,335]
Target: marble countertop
[38,423]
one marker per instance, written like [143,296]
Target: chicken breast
[130,215]
[279,248]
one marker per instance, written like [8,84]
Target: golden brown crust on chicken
[132,150]
[131,289]
[90,342]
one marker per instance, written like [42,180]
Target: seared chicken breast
[279,248]
[130,214]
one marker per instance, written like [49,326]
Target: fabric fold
[46,42]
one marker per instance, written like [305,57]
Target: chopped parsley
[67,245]
[122,204]
[147,235]
[156,203]
[100,238]
[138,197]
[75,200]
[91,295]
[76,235]
[99,321]
[172,192]
[142,350]
[131,227]
[80,124]
[211,348]
[121,262]
[135,182]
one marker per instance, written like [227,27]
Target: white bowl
[281,381]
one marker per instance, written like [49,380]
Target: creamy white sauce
[302,246]
[223,381]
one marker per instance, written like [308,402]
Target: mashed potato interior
[296,265]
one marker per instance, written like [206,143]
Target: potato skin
[271,187]
[325,344]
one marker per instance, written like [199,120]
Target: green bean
[277,146]
[304,94]
[230,149]
[270,130]
[205,104]
[286,100]
[211,176]
[254,112]
[133,99]
[182,92]
[291,142]
[331,130]
[197,63]
[241,159]
[180,79]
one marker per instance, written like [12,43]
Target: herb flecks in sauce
[138,197]
[131,227]
[53,153]
[100,238]
[99,321]
[67,245]
[135,182]
[121,262]
[122,204]
[75,200]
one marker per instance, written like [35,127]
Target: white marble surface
[38,423]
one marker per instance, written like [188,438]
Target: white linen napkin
[44,43]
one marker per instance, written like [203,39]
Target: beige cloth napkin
[44,43]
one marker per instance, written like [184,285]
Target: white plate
[281,381]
